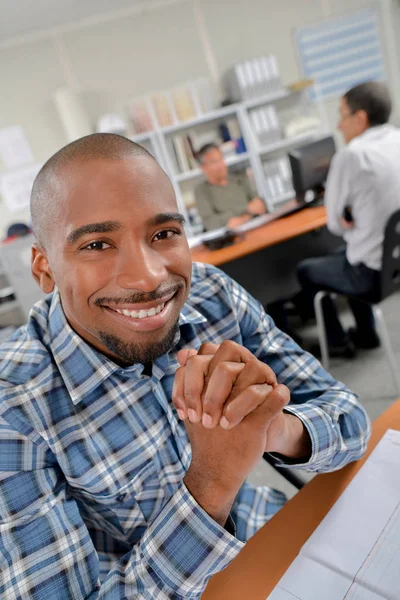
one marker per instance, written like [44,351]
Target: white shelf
[195,173]
[220,113]
[289,142]
[8,306]
[142,137]
[268,98]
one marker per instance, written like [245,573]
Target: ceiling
[24,17]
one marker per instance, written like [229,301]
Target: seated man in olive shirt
[224,200]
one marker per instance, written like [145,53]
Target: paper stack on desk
[354,554]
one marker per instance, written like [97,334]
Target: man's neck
[218,182]
[148,369]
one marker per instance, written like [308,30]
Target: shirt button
[121,497]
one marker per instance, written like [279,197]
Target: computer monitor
[310,166]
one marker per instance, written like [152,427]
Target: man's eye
[97,246]
[166,234]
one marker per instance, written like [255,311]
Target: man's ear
[363,119]
[41,269]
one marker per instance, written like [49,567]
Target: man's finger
[184,355]
[230,351]
[244,404]
[177,393]
[267,410]
[218,390]
[196,369]
[254,372]
[208,348]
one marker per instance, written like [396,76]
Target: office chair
[389,283]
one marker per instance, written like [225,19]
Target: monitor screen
[310,165]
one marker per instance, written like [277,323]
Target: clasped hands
[226,385]
[232,407]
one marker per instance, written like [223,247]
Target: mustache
[138,298]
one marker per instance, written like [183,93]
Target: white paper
[16,187]
[354,554]
[15,151]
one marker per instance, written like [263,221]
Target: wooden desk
[253,574]
[267,235]
[265,261]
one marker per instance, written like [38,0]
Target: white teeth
[142,313]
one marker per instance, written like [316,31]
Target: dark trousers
[334,273]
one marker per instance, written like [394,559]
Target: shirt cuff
[322,434]
[184,546]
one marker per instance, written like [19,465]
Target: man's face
[214,166]
[351,124]
[119,257]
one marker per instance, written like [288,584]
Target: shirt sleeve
[46,550]
[343,170]
[211,219]
[338,425]
[247,186]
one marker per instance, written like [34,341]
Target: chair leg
[394,367]
[319,317]
[288,474]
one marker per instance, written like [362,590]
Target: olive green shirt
[218,203]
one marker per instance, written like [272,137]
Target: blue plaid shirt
[93,455]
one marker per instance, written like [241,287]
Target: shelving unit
[289,143]
[215,115]
[158,141]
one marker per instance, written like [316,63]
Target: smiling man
[140,395]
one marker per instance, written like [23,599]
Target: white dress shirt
[365,175]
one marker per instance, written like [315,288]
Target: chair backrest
[390,275]
[15,259]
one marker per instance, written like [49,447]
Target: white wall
[138,53]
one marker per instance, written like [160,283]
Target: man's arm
[336,422]
[46,550]
[338,194]
[255,206]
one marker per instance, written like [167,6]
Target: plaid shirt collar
[83,368]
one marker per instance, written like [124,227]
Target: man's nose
[141,268]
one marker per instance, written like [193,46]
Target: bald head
[46,189]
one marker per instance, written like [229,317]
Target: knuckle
[283,393]
[260,392]
[221,369]
[211,402]
[192,360]
[254,365]
[229,345]
[188,393]
[191,394]
[224,369]
[208,348]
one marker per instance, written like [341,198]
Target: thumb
[184,355]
